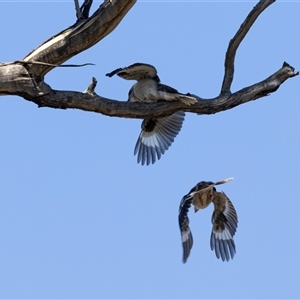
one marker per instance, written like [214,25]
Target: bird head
[137,71]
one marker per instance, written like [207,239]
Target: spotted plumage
[156,135]
[224,219]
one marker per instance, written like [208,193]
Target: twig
[78,10]
[85,8]
[22,62]
[91,88]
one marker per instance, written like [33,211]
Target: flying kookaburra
[157,134]
[224,219]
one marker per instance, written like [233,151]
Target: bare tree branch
[236,40]
[79,37]
[77,8]
[114,108]
[16,80]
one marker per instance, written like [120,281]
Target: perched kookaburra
[224,219]
[157,134]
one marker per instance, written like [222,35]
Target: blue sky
[79,218]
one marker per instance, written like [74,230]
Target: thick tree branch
[78,37]
[235,42]
[113,108]
[16,80]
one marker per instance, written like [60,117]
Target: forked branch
[83,11]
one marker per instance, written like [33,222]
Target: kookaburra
[157,133]
[224,219]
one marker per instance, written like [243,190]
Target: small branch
[113,108]
[91,88]
[78,11]
[235,42]
[32,62]
[85,8]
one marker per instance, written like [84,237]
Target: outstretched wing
[225,222]
[136,71]
[156,137]
[186,234]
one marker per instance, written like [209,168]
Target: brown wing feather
[225,222]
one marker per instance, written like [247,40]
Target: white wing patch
[154,141]
[185,236]
[224,235]
[150,139]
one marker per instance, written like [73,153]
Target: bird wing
[156,137]
[170,94]
[185,204]
[225,222]
[136,71]
[166,88]
[186,234]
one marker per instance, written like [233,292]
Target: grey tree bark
[25,78]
